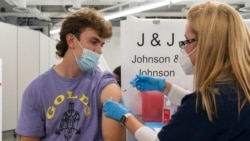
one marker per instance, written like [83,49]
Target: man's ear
[70,39]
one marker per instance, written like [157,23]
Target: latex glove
[114,110]
[148,83]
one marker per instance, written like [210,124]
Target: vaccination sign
[151,47]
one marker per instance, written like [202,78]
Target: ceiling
[49,13]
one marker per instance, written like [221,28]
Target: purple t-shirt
[59,109]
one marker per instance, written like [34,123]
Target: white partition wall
[248,22]
[26,54]
[28,59]
[8,53]
[53,59]
[44,52]
[112,50]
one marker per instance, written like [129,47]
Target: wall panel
[44,43]
[8,53]
[28,59]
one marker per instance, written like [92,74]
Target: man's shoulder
[102,74]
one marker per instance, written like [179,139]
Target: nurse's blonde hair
[223,54]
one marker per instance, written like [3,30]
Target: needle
[127,88]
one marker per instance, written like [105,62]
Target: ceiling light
[73,9]
[55,31]
[76,5]
[140,8]
[186,8]
[20,6]
[246,8]
[21,9]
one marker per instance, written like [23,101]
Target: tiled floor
[9,136]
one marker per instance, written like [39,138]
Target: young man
[65,103]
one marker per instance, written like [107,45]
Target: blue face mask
[89,59]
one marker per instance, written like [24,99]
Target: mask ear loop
[74,54]
[78,42]
[80,47]
[192,51]
[86,49]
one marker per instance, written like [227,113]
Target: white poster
[151,47]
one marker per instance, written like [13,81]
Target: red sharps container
[152,103]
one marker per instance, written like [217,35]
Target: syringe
[124,90]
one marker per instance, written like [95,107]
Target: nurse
[216,51]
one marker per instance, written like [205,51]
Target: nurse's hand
[114,110]
[148,83]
